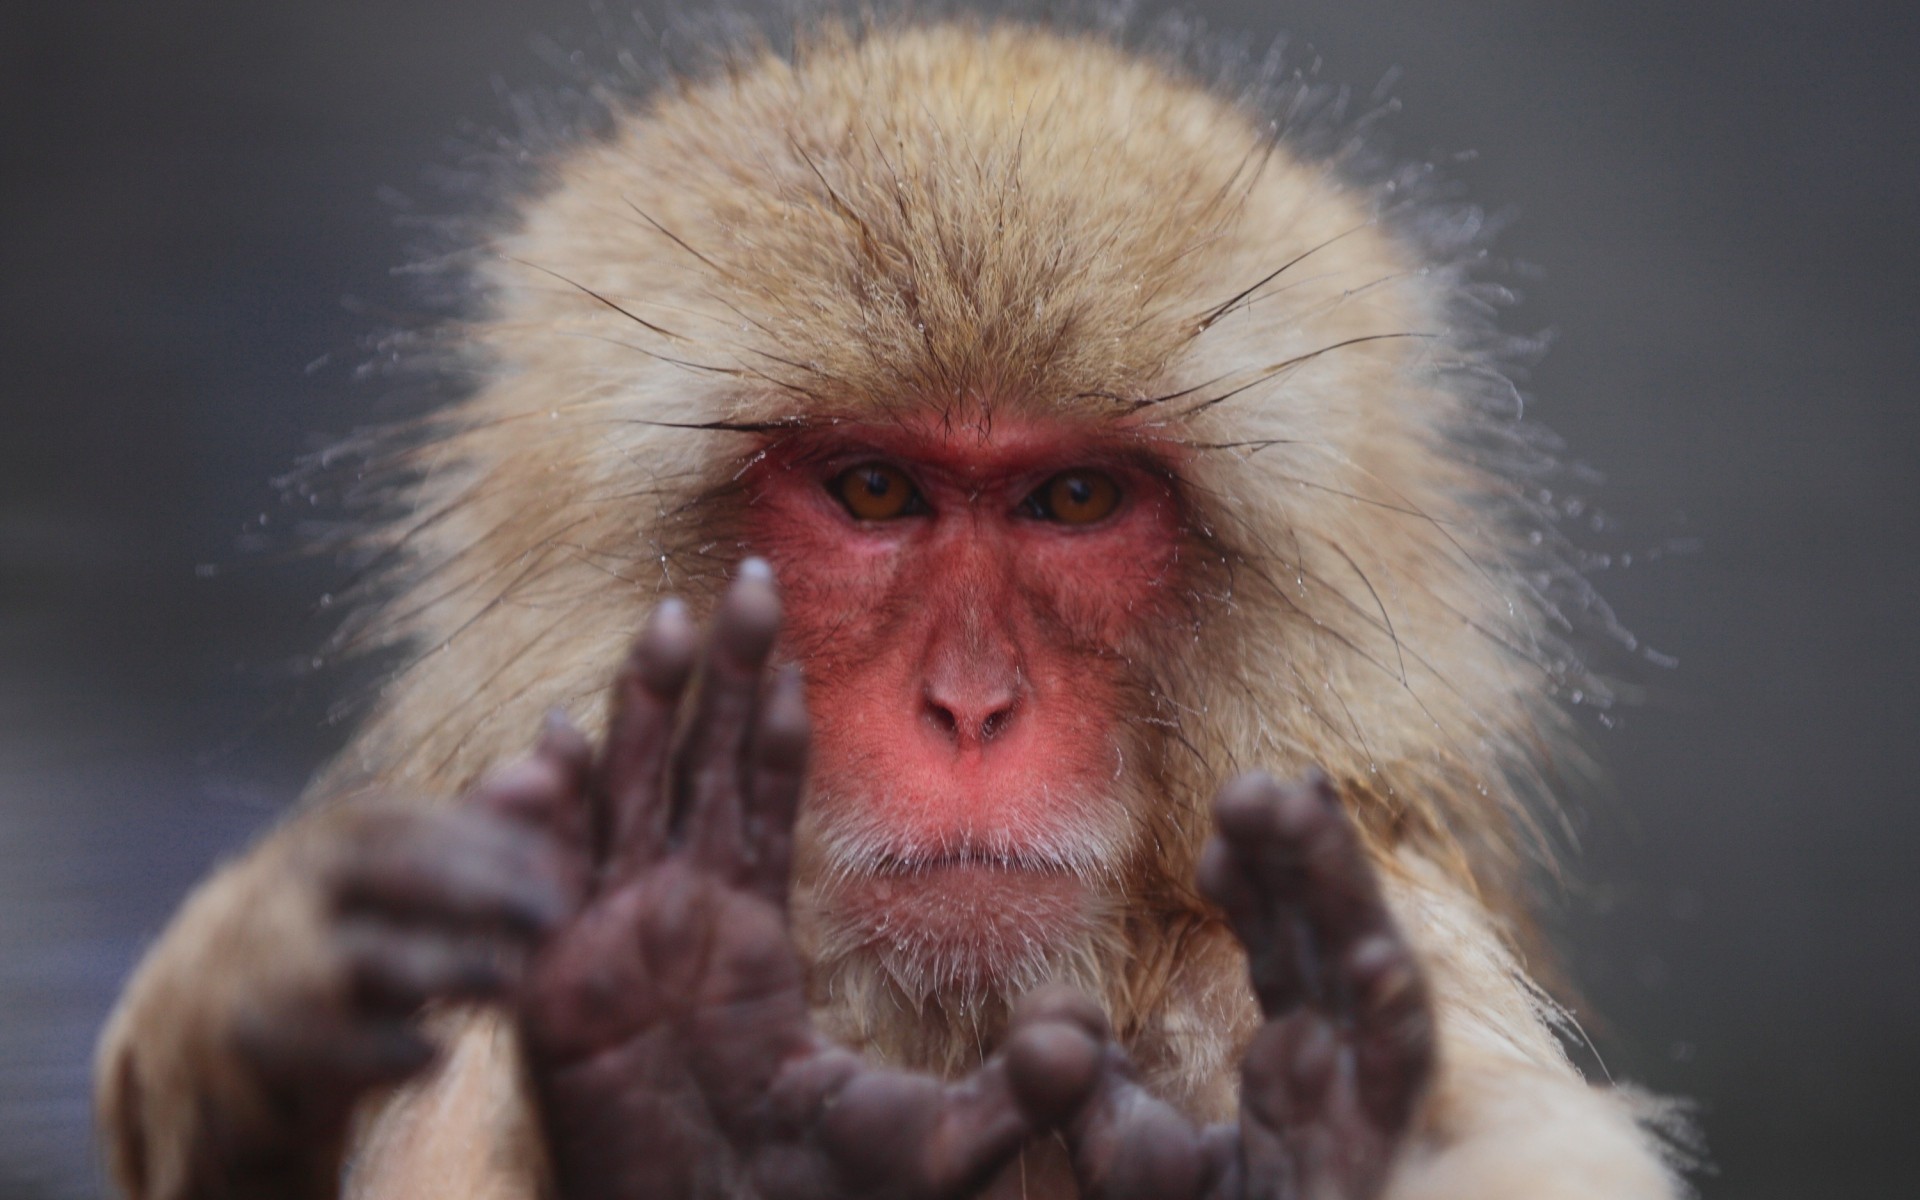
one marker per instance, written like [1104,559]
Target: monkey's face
[968,599]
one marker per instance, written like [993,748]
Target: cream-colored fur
[974,218]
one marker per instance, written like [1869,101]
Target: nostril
[995,722]
[965,719]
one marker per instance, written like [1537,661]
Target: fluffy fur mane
[981,215]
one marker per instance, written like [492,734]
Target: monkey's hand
[1331,1082]
[287,989]
[667,1025]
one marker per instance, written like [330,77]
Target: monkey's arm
[658,993]
[1509,1118]
[1373,1079]
[283,991]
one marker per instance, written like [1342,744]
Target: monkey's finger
[1225,878]
[545,791]
[1259,890]
[1341,892]
[1297,848]
[896,1133]
[710,762]
[330,1054]
[1393,1031]
[1127,1144]
[780,742]
[461,869]
[1307,1121]
[631,775]
[1291,1119]
[1288,1069]
[396,972]
[386,1052]
[1053,1064]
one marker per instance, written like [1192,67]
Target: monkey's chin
[966,926]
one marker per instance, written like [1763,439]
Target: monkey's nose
[970,712]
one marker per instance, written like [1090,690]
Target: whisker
[1206,321]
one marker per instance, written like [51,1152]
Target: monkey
[1055,442]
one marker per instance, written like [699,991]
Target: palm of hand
[1331,1083]
[667,1009]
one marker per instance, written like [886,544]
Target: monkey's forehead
[955,211]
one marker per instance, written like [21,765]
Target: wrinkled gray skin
[629,903]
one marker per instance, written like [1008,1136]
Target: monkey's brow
[782,425]
[810,442]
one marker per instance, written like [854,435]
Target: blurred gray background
[1720,199]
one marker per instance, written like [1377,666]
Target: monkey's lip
[958,911]
[965,903]
[968,859]
[962,889]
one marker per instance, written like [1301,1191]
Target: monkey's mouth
[1073,841]
[972,918]
[966,885]
[968,858]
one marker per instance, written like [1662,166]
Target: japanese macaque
[1079,452]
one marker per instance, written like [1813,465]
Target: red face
[967,601]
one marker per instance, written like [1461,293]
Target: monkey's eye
[877,492]
[1075,498]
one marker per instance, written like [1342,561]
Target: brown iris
[1076,498]
[875,492]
